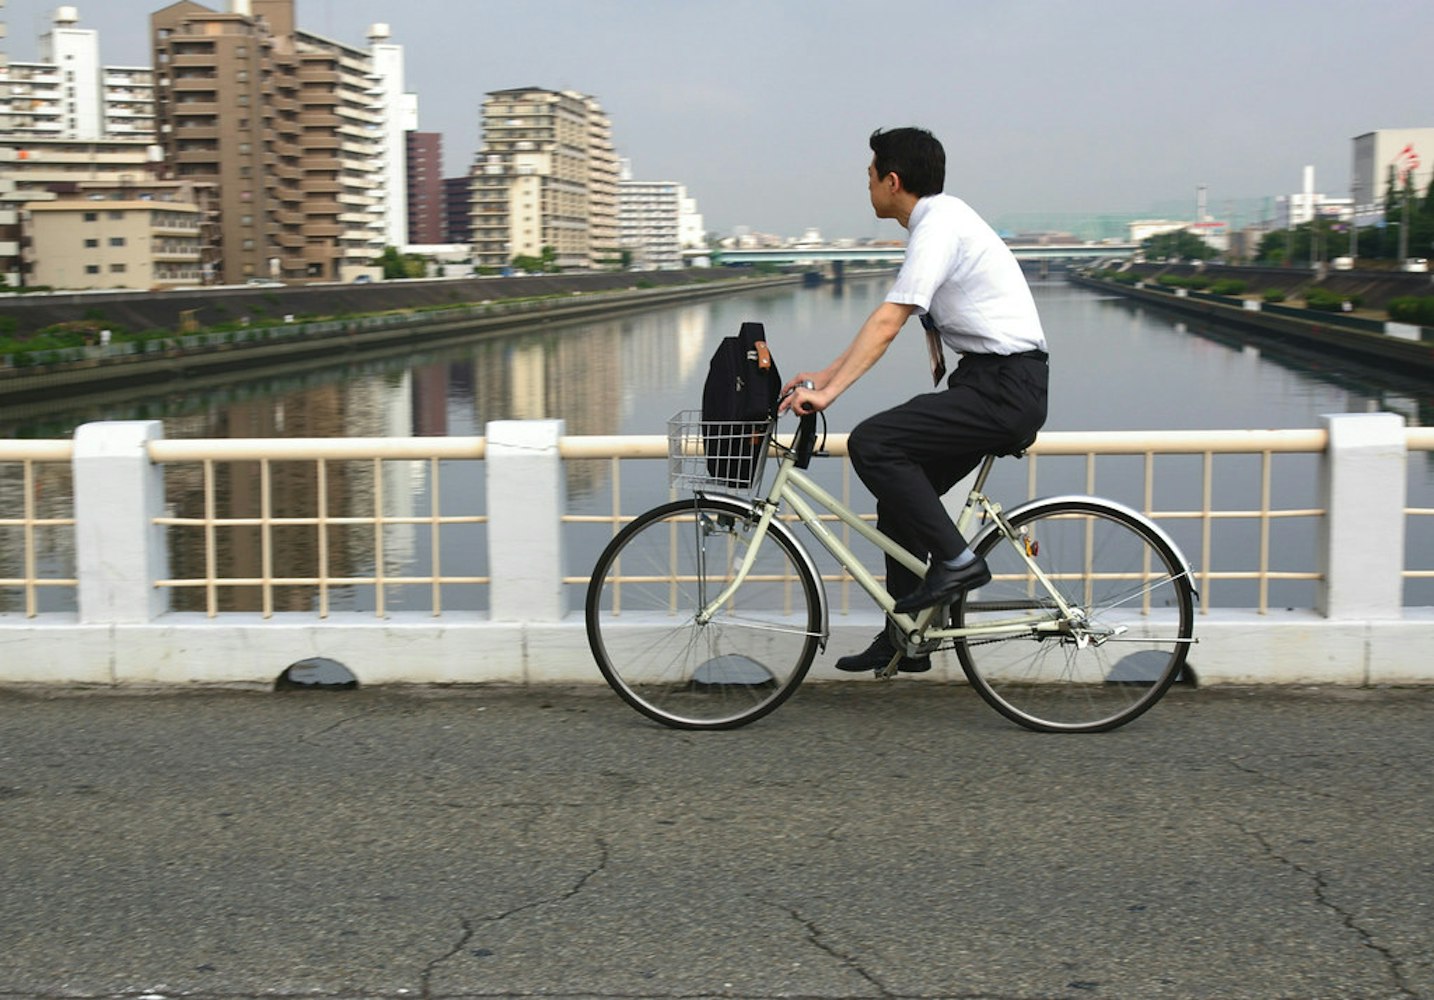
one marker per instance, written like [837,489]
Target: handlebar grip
[806,440]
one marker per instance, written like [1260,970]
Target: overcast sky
[762,107]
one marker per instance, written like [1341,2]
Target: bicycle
[707,612]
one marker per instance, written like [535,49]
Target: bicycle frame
[794,488]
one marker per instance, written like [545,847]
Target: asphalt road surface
[866,840]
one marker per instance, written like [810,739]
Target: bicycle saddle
[1016,449]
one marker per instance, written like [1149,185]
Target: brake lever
[805,383]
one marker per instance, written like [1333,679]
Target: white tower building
[400,116]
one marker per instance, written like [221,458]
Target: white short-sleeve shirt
[961,272]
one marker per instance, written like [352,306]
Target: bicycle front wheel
[645,595]
[1115,655]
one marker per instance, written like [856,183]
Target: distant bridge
[896,254]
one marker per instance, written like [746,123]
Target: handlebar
[805,440]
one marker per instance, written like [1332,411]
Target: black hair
[914,155]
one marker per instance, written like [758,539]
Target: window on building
[91,244]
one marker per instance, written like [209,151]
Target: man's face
[882,191]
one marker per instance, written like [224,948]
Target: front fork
[708,608]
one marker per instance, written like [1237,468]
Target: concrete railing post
[119,550]
[1362,542]
[527,496]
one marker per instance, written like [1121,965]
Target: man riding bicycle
[967,288]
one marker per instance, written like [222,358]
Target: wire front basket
[725,455]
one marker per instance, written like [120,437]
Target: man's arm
[865,349]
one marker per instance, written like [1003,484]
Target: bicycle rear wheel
[1125,647]
[644,596]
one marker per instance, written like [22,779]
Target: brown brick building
[284,126]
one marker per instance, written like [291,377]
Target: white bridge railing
[126,558]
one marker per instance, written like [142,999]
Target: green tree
[1321,240]
[1421,225]
[397,265]
[544,264]
[1179,245]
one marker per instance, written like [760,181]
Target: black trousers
[912,454]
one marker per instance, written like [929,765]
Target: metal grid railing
[44,508]
[1419,439]
[1088,447]
[419,487]
[373,456]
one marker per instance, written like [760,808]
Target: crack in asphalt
[1392,962]
[814,938]
[469,926]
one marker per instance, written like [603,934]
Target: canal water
[1116,365]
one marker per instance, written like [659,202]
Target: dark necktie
[933,345]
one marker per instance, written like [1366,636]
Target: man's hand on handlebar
[801,396]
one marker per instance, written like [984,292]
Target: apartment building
[344,156]
[457,209]
[67,119]
[425,189]
[545,177]
[290,128]
[10,200]
[648,224]
[107,236]
[69,94]
[657,221]
[399,117]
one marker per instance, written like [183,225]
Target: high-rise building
[545,179]
[1386,157]
[68,94]
[647,220]
[293,131]
[67,120]
[656,221]
[400,117]
[345,157]
[10,201]
[457,209]
[425,188]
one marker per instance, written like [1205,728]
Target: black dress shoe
[943,584]
[878,655]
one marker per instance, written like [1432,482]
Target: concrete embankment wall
[1373,288]
[138,311]
[1368,341]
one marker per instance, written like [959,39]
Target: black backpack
[738,400]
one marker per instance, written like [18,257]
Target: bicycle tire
[1124,574]
[642,602]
